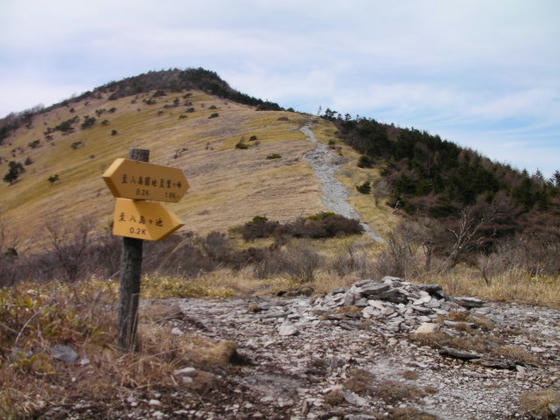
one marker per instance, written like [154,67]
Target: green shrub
[241,146]
[365,188]
[365,162]
[214,115]
[14,171]
[88,122]
[53,178]
[274,156]
[252,138]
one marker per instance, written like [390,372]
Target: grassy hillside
[228,185]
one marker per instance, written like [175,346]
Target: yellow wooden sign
[128,178]
[144,220]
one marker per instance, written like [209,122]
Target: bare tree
[69,245]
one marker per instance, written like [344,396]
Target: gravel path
[300,351]
[324,162]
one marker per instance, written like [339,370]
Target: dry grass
[228,186]
[359,381]
[410,413]
[537,404]
[392,392]
[511,286]
[34,317]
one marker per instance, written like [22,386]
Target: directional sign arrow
[144,220]
[145,181]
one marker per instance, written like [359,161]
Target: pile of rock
[402,306]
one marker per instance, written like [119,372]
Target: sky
[483,74]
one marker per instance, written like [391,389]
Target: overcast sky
[484,74]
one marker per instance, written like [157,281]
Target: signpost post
[132,181]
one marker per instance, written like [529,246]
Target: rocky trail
[325,164]
[366,352]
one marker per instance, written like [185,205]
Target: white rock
[188,371]
[154,403]
[376,304]
[176,331]
[427,328]
[287,330]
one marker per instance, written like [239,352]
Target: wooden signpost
[133,181]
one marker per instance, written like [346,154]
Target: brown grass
[360,381]
[34,317]
[227,185]
[512,286]
[393,392]
[410,413]
[537,403]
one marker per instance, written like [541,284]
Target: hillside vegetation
[60,153]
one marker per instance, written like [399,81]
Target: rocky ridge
[360,353]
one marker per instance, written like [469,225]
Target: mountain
[244,157]
[188,119]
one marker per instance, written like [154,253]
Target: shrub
[212,107]
[182,116]
[214,115]
[320,225]
[28,161]
[241,146]
[364,188]
[14,171]
[53,178]
[365,162]
[113,109]
[252,138]
[259,227]
[34,144]
[77,144]
[273,156]
[88,122]
[105,122]
[159,93]
[114,132]
[324,225]
[65,126]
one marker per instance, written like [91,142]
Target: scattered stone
[154,403]
[459,354]
[287,330]
[65,353]
[188,371]
[469,302]
[176,331]
[427,328]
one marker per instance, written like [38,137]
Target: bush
[34,144]
[88,122]
[252,138]
[273,156]
[77,144]
[365,162]
[365,188]
[241,146]
[14,171]
[214,115]
[114,132]
[53,178]
[320,225]
[259,227]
